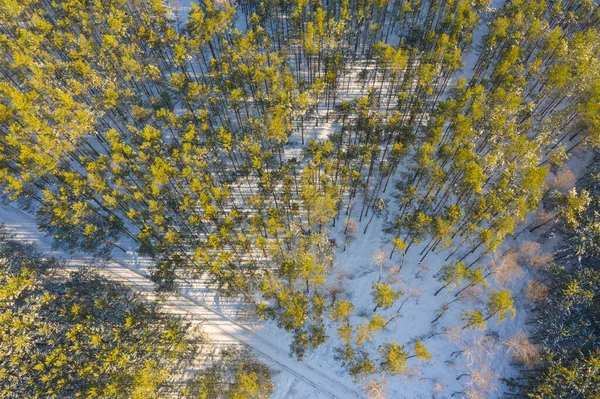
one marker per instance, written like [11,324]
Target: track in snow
[220,328]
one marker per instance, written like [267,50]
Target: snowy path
[220,328]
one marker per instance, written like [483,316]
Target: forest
[405,193]
[81,335]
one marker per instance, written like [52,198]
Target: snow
[455,351]
[129,269]
[417,281]
[221,320]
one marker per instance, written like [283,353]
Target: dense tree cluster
[84,336]
[236,375]
[120,121]
[565,317]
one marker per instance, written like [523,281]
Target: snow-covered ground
[462,359]
[455,351]
[292,376]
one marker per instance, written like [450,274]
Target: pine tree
[384,296]
[393,358]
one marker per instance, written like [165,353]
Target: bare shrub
[375,389]
[483,349]
[378,257]
[338,286]
[415,292]
[564,180]
[541,260]
[472,294]
[473,393]
[529,249]
[536,291]
[522,349]
[350,232]
[507,269]
[394,275]
[455,334]
[530,253]
[439,387]
[484,379]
